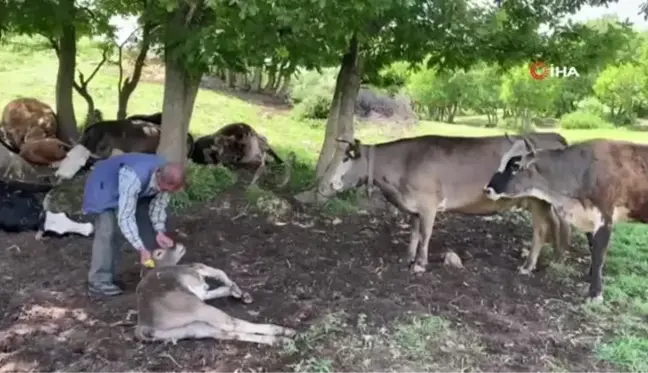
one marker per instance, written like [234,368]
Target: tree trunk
[231,79]
[272,76]
[67,125]
[180,91]
[257,77]
[285,86]
[341,115]
[128,86]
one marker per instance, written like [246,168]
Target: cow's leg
[426,225]
[600,242]
[541,220]
[415,238]
[260,169]
[590,246]
[59,223]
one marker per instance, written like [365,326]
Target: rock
[451,259]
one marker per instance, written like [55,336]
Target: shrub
[316,106]
[592,105]
[309,83]
[581,119]
[204,184]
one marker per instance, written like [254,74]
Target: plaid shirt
[129,189]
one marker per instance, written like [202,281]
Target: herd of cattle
[29,128]
[589,185]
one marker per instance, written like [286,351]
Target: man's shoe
[106,289]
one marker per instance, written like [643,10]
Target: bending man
[130,191]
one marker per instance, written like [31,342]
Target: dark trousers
[108,238]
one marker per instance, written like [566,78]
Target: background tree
[62,22]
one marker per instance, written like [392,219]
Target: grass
[28,68]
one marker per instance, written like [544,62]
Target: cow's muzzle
[337,185]
[491,194]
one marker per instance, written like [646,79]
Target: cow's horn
[339,139]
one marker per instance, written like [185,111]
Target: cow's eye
[515,167]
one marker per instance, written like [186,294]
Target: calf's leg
[540,217]
[201,330]
[260,169]
[227,323]
[230,288]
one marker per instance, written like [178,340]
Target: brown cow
[238,145]
[45,152]
[25,120]
[592,185]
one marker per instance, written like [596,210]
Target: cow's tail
[274,155]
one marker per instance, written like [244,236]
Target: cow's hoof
[597,299]
[524,270]
[417,268]
[246,298]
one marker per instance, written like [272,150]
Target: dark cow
[429,174]
[238,145]
[592,185]
[27,207]
[152,118]
[100,140]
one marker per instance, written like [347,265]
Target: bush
[593,105]
[316,106]
[309,83]
[581,119]
[204,184]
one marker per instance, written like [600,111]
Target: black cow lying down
[238,145]
[29,207]
[101,139]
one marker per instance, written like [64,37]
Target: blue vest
[102,186]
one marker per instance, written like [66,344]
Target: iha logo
[540,70]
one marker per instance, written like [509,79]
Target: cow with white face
[592,185]
[428,174]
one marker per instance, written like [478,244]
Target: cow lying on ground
[592,184]
[27,207]
[29,129]
[429,174]
[239,145]
[171,307]
[100,139]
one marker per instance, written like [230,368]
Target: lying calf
[170,305]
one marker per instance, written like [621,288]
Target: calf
[100,139]
[429,174]
[25,207]
[238,145]
[170,304]
[25,120]
[592,184]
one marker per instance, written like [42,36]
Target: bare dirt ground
[337,281]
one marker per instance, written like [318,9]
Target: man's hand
[164,241]
[145,258]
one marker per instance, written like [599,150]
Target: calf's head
[353,170]
[519,174]
[168,257]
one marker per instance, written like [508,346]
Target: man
[130,191]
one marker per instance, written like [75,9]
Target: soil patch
[304,274]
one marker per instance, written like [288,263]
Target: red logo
[539,70]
